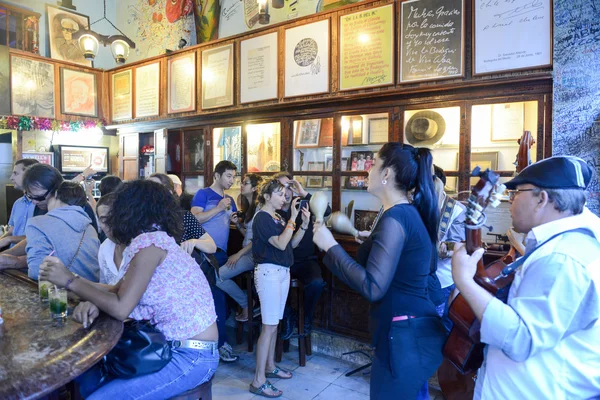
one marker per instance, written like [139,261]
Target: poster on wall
[511,35]
[4,80]
[367,48]
[217,77]
[147,80]
[62,24]
[431,39]
[32,88]
[182,83]
[78,93]
[307,59]
[121,96]
[259,70]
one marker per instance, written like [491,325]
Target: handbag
[209,265]
[141,350]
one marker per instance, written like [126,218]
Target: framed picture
[361,160]
[217,77]
[507,122]
[316,166]
[32,87]
[326,133]
[62,24]
[525,31]
[308,133]
[357,182]
[314,181]
[78,93]
[263,147]
[121,104]
[364,220]
[259,64]
[344,164]
[228,145]
[147,79]
[367,62]
[181,83]
[329,162]
[355,130]
[484,160]
[378,130]
[307,59]
[4,80]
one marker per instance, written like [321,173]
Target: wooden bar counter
[37,354]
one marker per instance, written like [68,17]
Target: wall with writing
[576,105]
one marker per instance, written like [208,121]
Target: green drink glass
[58,302]
[43,287]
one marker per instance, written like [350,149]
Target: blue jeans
[187,369]
[220,301]
[226,284]
[444,307]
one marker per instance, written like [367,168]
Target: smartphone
[303,203]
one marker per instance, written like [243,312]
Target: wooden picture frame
[364,219]
[378,130]
[508,37]
[357,182]
[181,83]
[62,24]
[508,122]
[147,90]
[488,159]
[314,181]
[217,77]
[78,94]
[361,160]
[4,80]
[359,50]
[306,55]
[259,60]
[31,81]
[308,133]
[121,96]
[344,164]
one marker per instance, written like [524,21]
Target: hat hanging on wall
[425,128]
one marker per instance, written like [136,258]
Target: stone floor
[323,378]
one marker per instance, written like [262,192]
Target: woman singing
[392,272]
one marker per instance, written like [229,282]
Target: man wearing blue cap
[545,341]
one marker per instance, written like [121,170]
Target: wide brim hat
[425,128]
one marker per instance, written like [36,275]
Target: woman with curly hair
[161,283]
[272,248]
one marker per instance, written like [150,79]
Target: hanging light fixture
[89,42]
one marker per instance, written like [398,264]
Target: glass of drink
[58,302]
[43,287]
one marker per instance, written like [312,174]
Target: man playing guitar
[545,341]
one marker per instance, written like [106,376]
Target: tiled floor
[323,378]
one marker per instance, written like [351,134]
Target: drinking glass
[58,302]
[43,287]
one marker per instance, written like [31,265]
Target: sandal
[261,390]
[275,374]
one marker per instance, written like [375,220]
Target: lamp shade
[120,50]
[88,43]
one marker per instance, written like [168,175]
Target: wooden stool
[252,323]
[202,392]
[304,344]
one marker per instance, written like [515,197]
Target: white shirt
[545,343]
[109,274]
[455,233]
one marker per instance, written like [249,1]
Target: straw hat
[425,128]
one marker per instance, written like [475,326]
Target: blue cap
[560,172]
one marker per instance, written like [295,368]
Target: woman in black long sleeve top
[392,272]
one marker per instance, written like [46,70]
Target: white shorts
[273,285]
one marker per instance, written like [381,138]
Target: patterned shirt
[178,299]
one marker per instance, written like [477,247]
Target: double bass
[463,350]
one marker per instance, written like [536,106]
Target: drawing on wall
[62,24]
[78,93]
[32,87]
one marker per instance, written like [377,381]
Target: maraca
[318,205]
[341,223]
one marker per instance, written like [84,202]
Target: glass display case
[263,147]
[227,145]
[193,151]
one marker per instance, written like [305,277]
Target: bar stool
[304,343]
[252,324]
[201,392]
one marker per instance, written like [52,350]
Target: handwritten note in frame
[121,105]
[217,77]
[367,48]
[182,83]
[147,83]
[512,35]
[431,40]
[259,69]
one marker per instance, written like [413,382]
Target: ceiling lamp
[89,41]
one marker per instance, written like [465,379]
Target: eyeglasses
[512,193]
[37,198]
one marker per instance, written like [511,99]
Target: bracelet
[292,222]
[70,281]
[289,227]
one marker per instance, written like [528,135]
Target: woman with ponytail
[392,271]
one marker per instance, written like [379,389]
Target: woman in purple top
[162,284]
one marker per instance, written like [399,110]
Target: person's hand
[322,237]
[234,219]
[464,266]
[305,217]
[89,171]
[8,261]
[361,236]
[85,313]
[89,186]
[294,209]
[232,260]
[225,204]
[297,188]
[189,245]
[54,271]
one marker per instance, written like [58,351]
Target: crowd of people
[144,251]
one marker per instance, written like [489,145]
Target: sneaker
[226,356]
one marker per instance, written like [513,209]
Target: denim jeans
[220,301]
[187,369]
[226,284]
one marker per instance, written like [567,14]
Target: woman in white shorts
[273,241]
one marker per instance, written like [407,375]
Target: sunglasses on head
[37,198]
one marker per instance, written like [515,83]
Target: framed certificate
[181,91]
[217,77]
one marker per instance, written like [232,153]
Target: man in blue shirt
[544,343]
[214,209]
[21,212]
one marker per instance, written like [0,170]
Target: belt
[195,344]
[402,317]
